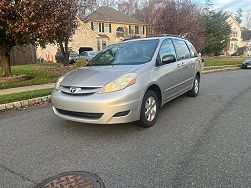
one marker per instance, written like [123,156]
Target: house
[103,27]
[239,38]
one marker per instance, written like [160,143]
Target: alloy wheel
[150,109]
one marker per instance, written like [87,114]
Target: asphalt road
[197,142]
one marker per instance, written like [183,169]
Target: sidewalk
[26,89]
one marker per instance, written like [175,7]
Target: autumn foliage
[34,22]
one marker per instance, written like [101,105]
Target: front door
[169,75]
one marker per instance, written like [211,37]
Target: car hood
[96,76]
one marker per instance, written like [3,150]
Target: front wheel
[243,66]
[196,88]
[149,109]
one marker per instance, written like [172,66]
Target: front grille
[85,115]
[83,91]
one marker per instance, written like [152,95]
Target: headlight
[120,83]
[58,82]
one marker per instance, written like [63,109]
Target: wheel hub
[150,109]
[196,86]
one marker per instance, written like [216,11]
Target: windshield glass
[127,53]
[92,53]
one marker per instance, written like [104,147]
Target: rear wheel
[196,88]
[149,109]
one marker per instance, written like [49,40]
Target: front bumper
[107,104]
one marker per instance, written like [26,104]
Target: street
[196,142]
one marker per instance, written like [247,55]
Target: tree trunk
[66,59]
[65,53]
[5,62]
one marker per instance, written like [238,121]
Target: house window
[106,27]
[131,29]
[95,27]
[100,27]
[143,30]
[234,34]
[110,28]
[104,44]
[103,27]
[92,26]
[120,32]
[136,30]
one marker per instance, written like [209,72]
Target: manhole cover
[73,180]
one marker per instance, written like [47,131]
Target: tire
[149,120]
[196,88]
[244,66]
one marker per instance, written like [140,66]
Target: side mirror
[168,59]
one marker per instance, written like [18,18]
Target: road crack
[17,174]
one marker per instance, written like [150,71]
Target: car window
[73,54]
[193,51]
[93,53]
[84,54]
[181,49]
[167,48]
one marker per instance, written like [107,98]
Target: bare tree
[129,7]
[86,6]
[179,17]
[148,11]
[108,3]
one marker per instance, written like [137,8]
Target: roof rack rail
[170,35]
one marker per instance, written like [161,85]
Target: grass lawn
[23,96]
[218,61]
[38,73]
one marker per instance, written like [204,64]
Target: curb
[220,70]
[25,103]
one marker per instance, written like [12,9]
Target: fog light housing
[122,114]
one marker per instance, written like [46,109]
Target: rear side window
[181,49]
[167,48]
[193,51]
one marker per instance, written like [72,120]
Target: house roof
[246,34]
[109,14]
[231,17]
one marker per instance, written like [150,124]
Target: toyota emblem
[74,89]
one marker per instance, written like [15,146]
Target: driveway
[197,142]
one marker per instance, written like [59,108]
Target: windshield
[127,53]
[93,53]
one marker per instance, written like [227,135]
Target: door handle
[181,65]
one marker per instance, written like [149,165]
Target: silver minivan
[128,82]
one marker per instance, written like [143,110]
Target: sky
[230,5]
